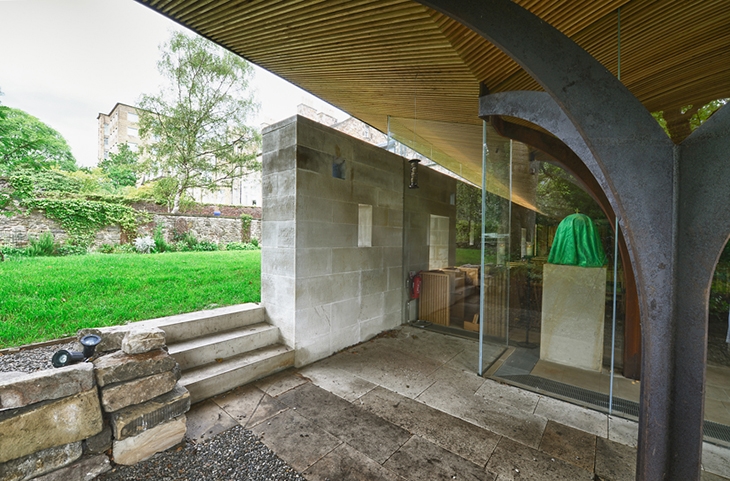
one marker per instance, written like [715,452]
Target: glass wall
[717,391]
[564,323]
[495,265]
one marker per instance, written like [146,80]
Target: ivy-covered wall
[15,231]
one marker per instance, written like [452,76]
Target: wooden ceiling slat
[375,58]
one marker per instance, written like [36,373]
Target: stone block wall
[59,423]
[332,257]
[18,230]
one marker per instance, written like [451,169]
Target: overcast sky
[64,61]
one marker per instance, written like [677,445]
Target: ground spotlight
[64,358]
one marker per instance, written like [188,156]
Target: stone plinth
[573,314]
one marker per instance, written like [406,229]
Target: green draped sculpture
[577,243]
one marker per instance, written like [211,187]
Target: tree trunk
[176,201]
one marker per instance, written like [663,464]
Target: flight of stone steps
[221,349]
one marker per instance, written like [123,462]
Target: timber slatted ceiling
[380,58]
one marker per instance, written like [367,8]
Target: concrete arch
[639,165]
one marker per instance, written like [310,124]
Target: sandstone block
[50,424]
[84,469]
[138,448]
[39,463]
[132,420]
[121,367]
[7,375]
[137,391]
[99,443]
[111,337]
[140,340]
[24,389]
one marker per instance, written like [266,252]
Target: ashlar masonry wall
[332,235]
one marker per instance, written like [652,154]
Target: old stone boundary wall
[59,424]
[16,231]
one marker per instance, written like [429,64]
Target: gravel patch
[33,359]
[234,455]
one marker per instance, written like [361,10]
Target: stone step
[222,345]
[218,377]
[193,325]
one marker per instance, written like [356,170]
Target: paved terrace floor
[407,406]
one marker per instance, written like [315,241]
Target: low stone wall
[58,424]
[18,230]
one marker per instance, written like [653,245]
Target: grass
[45,298]
[468,256]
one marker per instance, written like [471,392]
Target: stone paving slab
[372,435]
[281,382]
[571,415]
[240,403]
[614,461]
[206,421]
[388,367]
[518,398]
[716,459]
[515,461]
[295,439]
[526,428]
[460,437]
[569,444]
[268,407]
[432,345]
[420,460]
[623,431]
[337,381]
[345,462]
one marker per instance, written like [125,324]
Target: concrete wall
[323,291]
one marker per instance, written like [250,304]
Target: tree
[195,127]
[121,167]
[28,143]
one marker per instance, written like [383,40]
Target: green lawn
[468,256]
[44,298]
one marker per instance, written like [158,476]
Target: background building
[119,126]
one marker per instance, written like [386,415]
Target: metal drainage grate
[717,431]
[576,393]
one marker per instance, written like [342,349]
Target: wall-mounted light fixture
[414,173]
[64,358]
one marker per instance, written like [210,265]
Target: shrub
[124,249]
[205,246]
[254,242]
[144,245]
[45,245]
[159,237]
[13,251]
[71,250]
[189,240]
[107,248]
[241,246]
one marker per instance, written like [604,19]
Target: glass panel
[560,316]
[442,227]
[717,389]
[496,245]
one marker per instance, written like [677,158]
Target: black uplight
[64,358]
